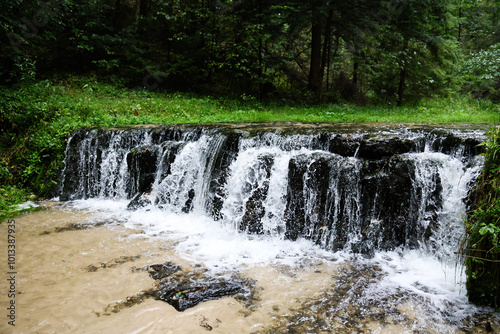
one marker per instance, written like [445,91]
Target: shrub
[483,231]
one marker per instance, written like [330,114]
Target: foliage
[483,231]
[359,50]
[481,70]
[10,198]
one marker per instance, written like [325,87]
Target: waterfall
[357,189]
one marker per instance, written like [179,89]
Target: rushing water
[343,230]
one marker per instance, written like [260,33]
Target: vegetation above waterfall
[359,51]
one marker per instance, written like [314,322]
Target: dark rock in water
[307,195]
[366,206]
[185,289]
[295,214]
[255,211]
[226,155]
[370,146]
[168,157]
[160,271]
[386,190]
[141,162]
[376,148]
[139,201]
[188,206]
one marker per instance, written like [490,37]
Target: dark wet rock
[78,226]
[186,289]
[344,145]
[139,201]
[160,271]
[331,199]
[170,150]
[294,212]
[223,159]
[183,293]
[376,148]
[308,177]
[370,146]
[254,207]
[141,163]
[188,205]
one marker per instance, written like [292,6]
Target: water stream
[340,229]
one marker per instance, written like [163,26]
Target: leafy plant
[483,231]
[481,71]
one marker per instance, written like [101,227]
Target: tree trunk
[260,56]
[137,13]
[402,78]
[315,68]
[326,46]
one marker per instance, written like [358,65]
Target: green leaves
[483,230]
[493,231]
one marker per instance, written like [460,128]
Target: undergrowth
[483,231]
[10,199]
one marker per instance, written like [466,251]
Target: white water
[430,276]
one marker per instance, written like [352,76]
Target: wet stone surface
[350,305]
[79,226]
[186,289]
[112,263]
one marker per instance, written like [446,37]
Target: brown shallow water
[72,280]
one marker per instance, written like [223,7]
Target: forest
[359,51]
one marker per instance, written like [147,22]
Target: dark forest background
[360,51]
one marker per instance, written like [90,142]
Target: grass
[92,103]
[37,118]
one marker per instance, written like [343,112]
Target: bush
[483,231]
[481,71]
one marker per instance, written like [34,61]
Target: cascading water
[386,193]
[286,185]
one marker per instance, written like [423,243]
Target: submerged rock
[139,201]
[186,289]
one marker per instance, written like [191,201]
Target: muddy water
[73,278]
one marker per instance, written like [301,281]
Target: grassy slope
[98,104]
